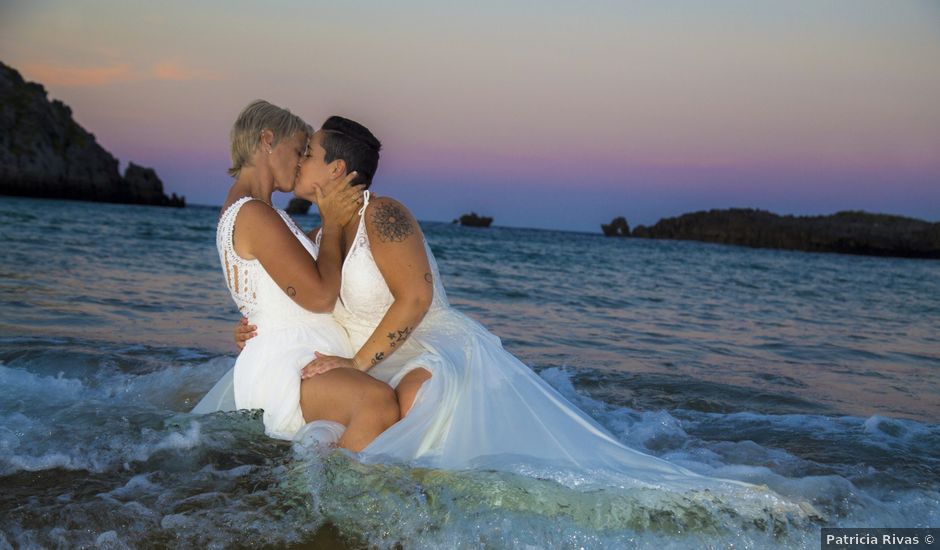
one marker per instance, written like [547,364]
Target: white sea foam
[790,475]
[111,426]
[51,422]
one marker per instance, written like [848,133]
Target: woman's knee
[418,376]
[328,396]
[409,387]
[383,402]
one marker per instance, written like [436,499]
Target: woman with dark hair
[466,403]
[288,286]
[464,400]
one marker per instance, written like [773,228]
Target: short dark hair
[353,143]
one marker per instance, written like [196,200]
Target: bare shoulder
[256,223]
[256,213]
[390,221]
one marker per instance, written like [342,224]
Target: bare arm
[398,248]
[261,233]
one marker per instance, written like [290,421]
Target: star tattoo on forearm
[397,337]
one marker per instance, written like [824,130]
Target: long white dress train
[482,407]
[266,374]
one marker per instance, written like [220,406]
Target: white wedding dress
[267,372]
[482,407]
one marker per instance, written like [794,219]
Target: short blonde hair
[257,117]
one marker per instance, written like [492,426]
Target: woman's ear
[266,140]
[338,168]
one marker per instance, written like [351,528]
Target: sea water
[817,375]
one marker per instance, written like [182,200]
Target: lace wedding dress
[481,410]
[482,407]
[267,372]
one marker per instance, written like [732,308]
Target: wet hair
[257,117]
[354,144]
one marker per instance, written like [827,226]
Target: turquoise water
[818,375]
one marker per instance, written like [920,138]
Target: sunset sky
[541,114]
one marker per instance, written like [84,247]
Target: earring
[269,150]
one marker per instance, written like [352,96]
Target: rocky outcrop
[473,220]
[618,227]
[298,206]
[144,186]
[849,232]
[45,153]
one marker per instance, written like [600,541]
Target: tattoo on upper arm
[392,223]
[291,291]
[397,337]
[428,278]
[378,357]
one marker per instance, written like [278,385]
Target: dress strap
[365,201]
[240,274]
[227,224]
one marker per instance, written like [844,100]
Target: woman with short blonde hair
[286,283]
[254,119]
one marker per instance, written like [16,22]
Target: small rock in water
[618,227]
[473,220]
[298,206]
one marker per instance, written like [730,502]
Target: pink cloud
[78,76]
[174,70]
[63,75]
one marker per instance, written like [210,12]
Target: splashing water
[817,376]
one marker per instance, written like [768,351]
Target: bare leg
[366,406]
[408,388]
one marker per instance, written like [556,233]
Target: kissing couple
[350,339]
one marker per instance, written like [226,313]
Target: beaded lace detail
[256,294]
[240,274]
[243,276]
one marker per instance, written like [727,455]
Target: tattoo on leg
[427,277]
[378,357]
[397,337]
[392,223]
[291,292]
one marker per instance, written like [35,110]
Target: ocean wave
[847,466]
[159,475]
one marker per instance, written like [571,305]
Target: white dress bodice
[256,294]
[364,295]
[481,409]
[266,374]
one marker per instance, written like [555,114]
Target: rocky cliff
[849,232]
[45,153]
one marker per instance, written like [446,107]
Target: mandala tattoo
[291,292]
[427,277]
[392,223]
[397,337]
[378,357]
